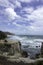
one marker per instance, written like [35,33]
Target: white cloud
[14,23]
[28,10]
[6,3]
[10,3]
[10,13]
[36,26]
[36,15]
[17,4]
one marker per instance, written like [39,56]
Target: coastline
[18,59]
[4,61]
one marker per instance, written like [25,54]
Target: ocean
[28,39]
[29,43]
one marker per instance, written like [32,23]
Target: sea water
[31,40]
[27,38]
[29,43]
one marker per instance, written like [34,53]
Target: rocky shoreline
[16,58]
[22,61]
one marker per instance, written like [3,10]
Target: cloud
[36,27]
[10,3]
[14,23]
[6,3]
[38,14]
[10,13]
[28,1]
[27,19]
[28,10]
[16,3]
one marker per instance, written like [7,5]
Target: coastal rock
[42,50]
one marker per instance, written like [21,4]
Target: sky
[24,17]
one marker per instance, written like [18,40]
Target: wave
[27,40]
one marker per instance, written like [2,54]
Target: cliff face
[2,35]
[7,33]
[10,47]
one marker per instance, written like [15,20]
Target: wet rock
[42,50]
[24,54]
